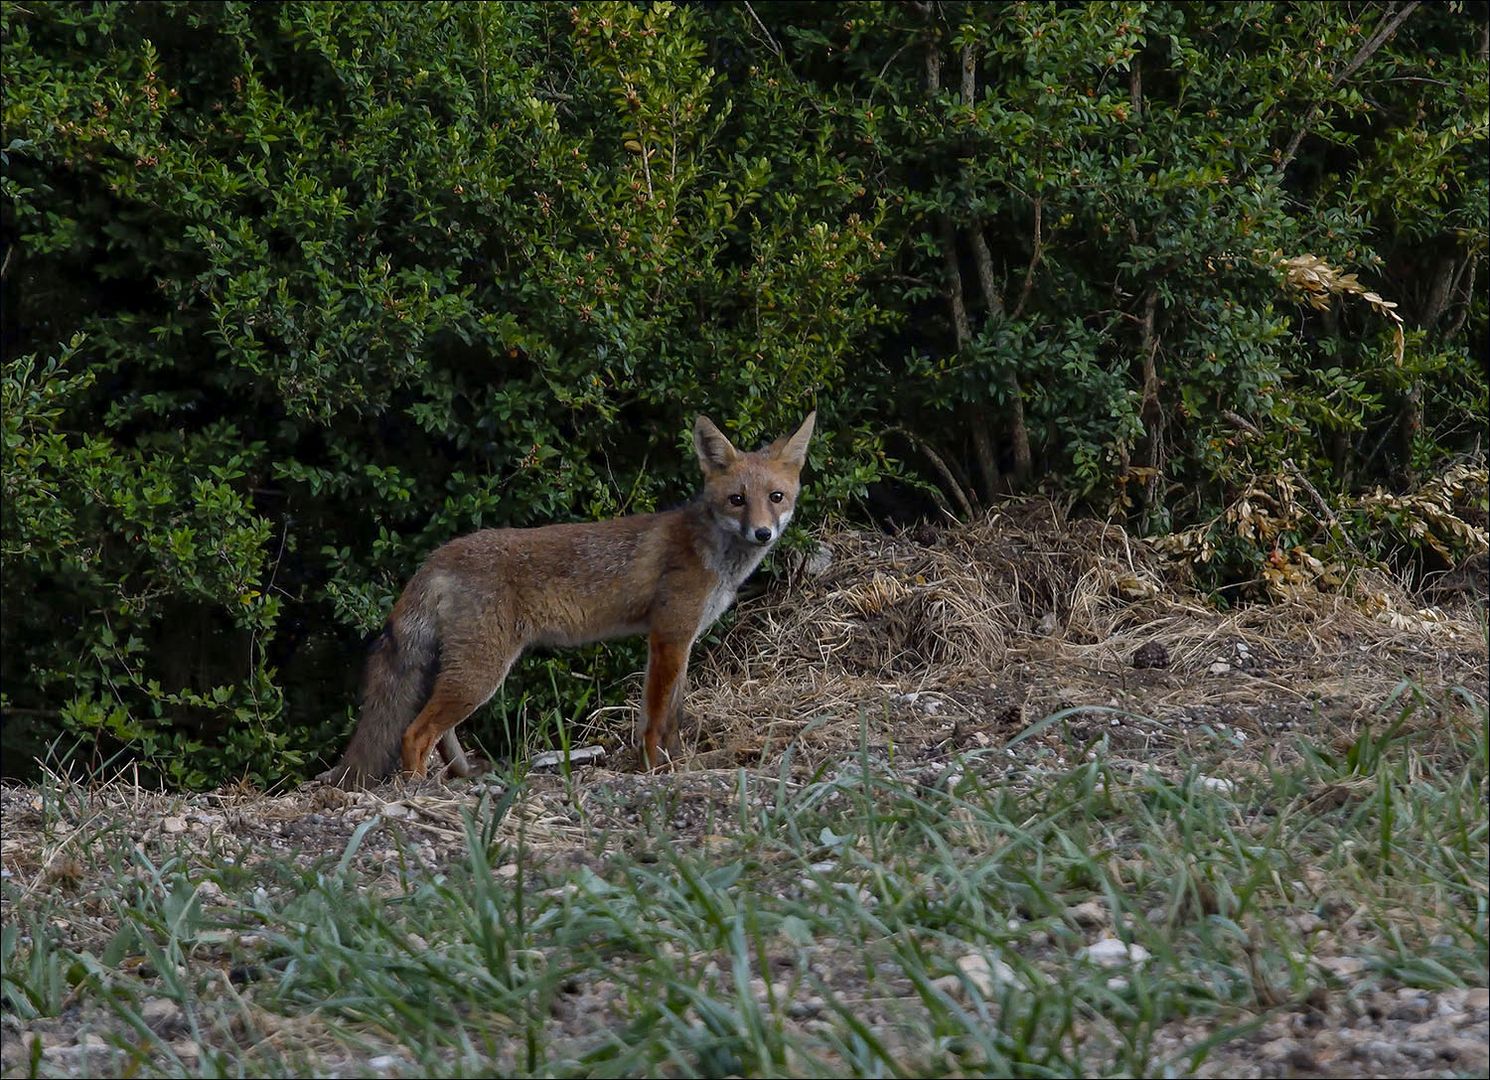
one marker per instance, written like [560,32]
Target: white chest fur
[716,605]
[733,569]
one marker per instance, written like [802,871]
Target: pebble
[986,976]
[1306,922]
[1342,967]
[806,1008]
[160,1012]
[1090,913]
[1110,952]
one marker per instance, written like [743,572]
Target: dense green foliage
[294,292]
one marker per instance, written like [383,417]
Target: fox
[480,600]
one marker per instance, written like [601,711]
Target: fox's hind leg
[459,691]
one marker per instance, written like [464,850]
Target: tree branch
[1364,53]
[940,465]
[1468,292]
[960,324]
[1029,274]
[983,258]
[969,76]
[1151,411]
[770,40]
[1019,434]
[1440,291]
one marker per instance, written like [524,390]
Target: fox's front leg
[667,673]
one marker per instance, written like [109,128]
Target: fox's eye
[777,496]
[737,500]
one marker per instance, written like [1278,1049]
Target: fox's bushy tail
[401,669]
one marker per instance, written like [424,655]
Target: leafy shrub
[343,282]
[1091,208]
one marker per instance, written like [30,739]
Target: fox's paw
[333,776]
[344,777]
[473,765]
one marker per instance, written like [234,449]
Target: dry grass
[990,623]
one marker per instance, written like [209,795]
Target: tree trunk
[1152,411]
[989,482]
[1440,292]
[1019,435]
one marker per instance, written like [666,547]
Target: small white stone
[1088,913]
[986,976]
[818,561]
[1341,966]
[1110,952]
[1305,922]
[950,985]
[159,1011]
[579,755]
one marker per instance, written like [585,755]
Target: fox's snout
[763,535]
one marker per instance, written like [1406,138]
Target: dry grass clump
[1027,610]
[900,606]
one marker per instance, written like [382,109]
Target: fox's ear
[792,449]
[715,452]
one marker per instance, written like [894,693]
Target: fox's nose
[762,535]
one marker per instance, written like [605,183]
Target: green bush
[1088,204]
[344,281]
[293,292]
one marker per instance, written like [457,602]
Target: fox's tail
[401,669]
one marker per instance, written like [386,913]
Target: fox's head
[751,496]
